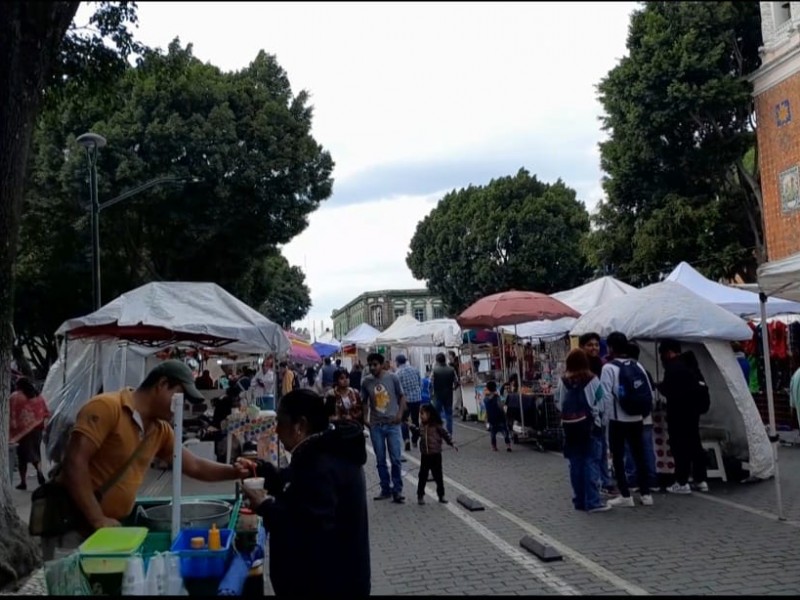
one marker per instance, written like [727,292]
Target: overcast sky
[413,100]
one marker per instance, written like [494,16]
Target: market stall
[357,342]
[669,310]
[512,308]
[777,279]
[115,346]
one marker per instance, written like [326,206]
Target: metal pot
[200,514]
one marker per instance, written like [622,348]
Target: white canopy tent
[362,336]
[781,278]
[582,298]
[777,279]
[327,338]
[183,311]
[403,327]
[738,301]
[669,310]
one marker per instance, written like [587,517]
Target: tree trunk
[30,36]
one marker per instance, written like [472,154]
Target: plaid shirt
[411,383]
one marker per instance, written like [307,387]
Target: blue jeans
[649,457]
[387,435]
[600,439]
[583,476]
[446,411]
[496,428]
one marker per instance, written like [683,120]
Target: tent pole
[772,433]
[177,467]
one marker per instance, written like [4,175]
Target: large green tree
[241,143]
[276,289]
[678,111]
[514,233]
[44,53]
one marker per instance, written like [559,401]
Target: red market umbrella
[512,308]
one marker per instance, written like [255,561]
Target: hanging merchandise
[778,347]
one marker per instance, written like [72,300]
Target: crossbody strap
[124,468]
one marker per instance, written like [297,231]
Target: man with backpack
[687,398]
[630,399]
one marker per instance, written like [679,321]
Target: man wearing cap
[115,426]
[411,383]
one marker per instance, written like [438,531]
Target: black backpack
[634,394]
[577,420]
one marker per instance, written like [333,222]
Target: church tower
[776,88]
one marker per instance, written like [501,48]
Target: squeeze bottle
[214,540]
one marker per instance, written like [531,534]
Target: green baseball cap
[179,371]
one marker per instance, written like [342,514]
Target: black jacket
[317,523]
[679,387]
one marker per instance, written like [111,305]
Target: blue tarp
[324,349]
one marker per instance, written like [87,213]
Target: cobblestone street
[726,542]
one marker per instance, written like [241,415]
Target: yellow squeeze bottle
[214,540]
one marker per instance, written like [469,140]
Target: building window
[377,316]
[399,312]
[781,13]
[438,312]
[419,314]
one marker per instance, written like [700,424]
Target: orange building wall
[778,118]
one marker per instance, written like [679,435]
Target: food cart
[116,346]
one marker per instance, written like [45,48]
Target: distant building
[381,308]
[776,88]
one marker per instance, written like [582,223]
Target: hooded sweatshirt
[317,523]
[678,387]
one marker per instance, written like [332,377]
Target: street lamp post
[93,142]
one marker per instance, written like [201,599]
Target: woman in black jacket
[316,511]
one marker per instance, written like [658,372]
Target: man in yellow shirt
[113,427]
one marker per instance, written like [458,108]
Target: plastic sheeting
[738,301]
[82,370]
[733,410]
[663,310]
[203,309]
[781,278]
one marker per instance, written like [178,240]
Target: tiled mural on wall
[783,113]
[789,186]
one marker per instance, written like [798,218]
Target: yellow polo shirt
[114,427]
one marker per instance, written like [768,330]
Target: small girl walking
[432,434]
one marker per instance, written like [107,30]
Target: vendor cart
[161,315]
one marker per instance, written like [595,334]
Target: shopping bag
[64,577]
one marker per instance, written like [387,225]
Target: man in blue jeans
[647,438]
[385,403]
[444,382]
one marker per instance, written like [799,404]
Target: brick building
[776,88]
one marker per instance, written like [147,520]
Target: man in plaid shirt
[411,382]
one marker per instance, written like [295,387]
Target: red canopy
[512,308]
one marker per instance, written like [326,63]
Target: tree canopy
[514,233]
[43,51]
[678,111]
[251,174]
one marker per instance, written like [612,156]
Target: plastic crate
[107,550]
[202,563]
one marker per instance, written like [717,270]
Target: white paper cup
[254,483]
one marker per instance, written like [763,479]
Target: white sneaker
[621,501]
[677,488]
[601,508]
[647,500]
[702,487]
